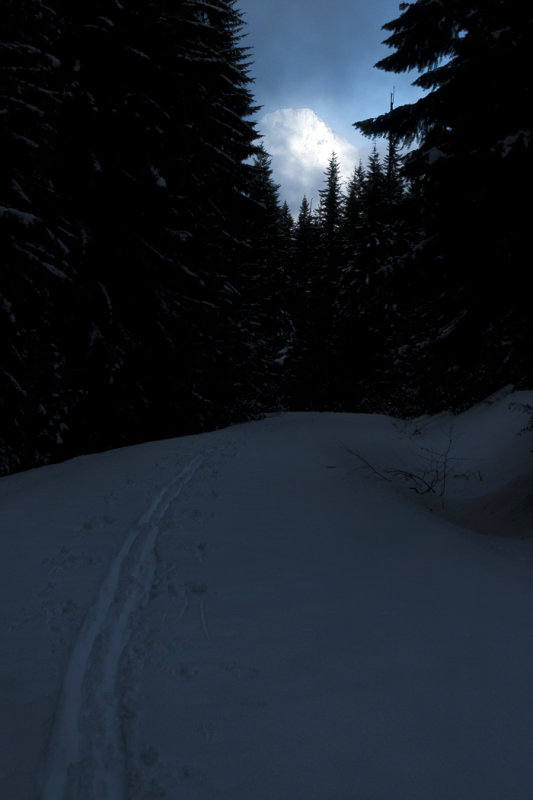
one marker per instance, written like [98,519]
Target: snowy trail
[354,638]
[90,763]
[279,621]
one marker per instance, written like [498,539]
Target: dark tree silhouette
[472,161]
[124,220]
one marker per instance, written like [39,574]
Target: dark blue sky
[319,55]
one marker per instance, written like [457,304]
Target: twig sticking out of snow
[433,480]
[367,463]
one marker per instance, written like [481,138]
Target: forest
[153,282]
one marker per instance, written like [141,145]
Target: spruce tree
[394,179]
[36,241]
[324,285]
[374,199]
[125,222]
[301,306]
[347,311]
[158,111]
[330,209]
[287,234]
[352,220]
[287,330]
[264,287]
[472,133]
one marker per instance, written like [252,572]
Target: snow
[270,611]
[14,382]
[283,355]
[24,217]
[139,53]
[107,298]
[55,62]
[508,144]
[159,180]
[434,154]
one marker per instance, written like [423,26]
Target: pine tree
[352,241]
[264,323]
[472,132]
[394,181]
[372,252]
[352,206]
[36,240]
[301,306]
[304,216]
[368,305]
[287,339]
[126,221]
[158,104]
[330,209]
[319,251]
[286,233]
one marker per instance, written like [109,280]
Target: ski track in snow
[86,759]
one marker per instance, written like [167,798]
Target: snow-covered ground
[275,611]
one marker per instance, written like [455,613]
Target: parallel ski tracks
[86,759]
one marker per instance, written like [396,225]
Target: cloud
[301,145]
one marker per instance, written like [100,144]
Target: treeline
[153,284]
[468,317]
[413,280]
[346,287]
[126,215]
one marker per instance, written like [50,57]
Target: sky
[314,76]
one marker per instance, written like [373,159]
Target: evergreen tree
[301,306]
[265,325]
[472,132]
[358,323]
[374,186]
[353,210]
[324,284]
[372,251]
[125,222]
[287,234]
[304,217]
[35,239]
[159,100]
[287,339]
[394,181]
[368,306]
[330,209]
[306,238]
[352,241]
[348,288]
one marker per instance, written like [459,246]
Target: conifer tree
[287,232]
[301,305]
[264,286]
[472,132]
[36,239]
[372,251]
[394,182]
[352,241]
[324,270]
[304,216]
[287,342]
[330,208]
[160,101]
[126,221]
[353,205]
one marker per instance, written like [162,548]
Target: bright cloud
[301,145]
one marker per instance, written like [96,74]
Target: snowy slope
[275,610]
